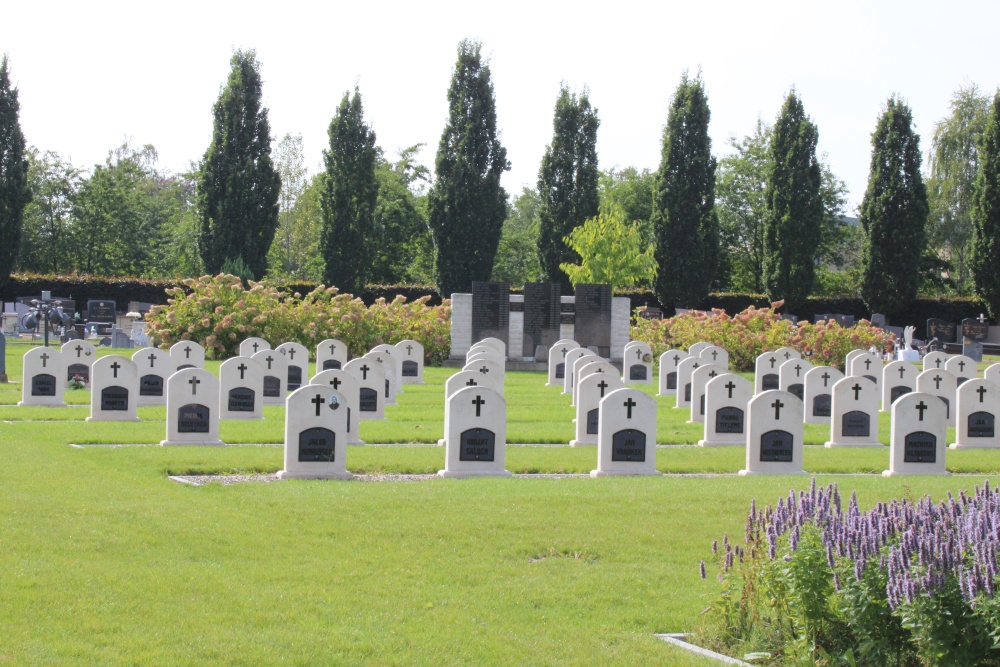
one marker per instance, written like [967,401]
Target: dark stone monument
[477,444]
[367,400]
[329,364]
[114,398]
[628,445]
[317,444]
[769,381]
[272,386]
[729,420]
[490,311]
[592,421]
[943,330]
[981,425]
[241,399]
[43,384]
[410,369]
[83,370]
[192,418]
[638,372]
[821,405]
[897,391]
[920,447]
[776,447]
[592,322]
[102,313]
[3,358]
[856,423]
[541,317]
[151,385]
[294,378]
[975,330]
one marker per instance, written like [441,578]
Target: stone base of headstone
[284,474]
[894,473]
[454,474]
[710,443]
[967,445]
[613,473]
[3,378]
[205,443]
[112,419]
[748,473]
[577,443]
[22,404]
[830,444]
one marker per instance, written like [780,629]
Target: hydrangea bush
[218,312]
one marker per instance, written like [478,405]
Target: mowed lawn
[106,561]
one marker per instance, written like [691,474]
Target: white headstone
[935,361]
[187,354]
[713,354]
[252,346]
[463,379]
[192,408]
[854,422]
[475,434]
[695,350]
[591,390]
[668,371]
[390,374]
[371,388]
[992,373]
[392,355]
[818,396]
[849,357]
[315,434]
[638,364]
[962,367]
[726,399]
[411,361]
[487,367]
[978,408]
[42,377]
[699,378]
[917,440]
[154,366]
[786,353]
[766,372]
[571,358]
[626,434]
[241,389]
[330,354]
[898,378]
[496,344]
[942,384]
[685,370]
[557,361]
[792,377]
[341,381]
[275,375]
[867,365]
[774,434]
[587,366]
[79,356]
[297,360]
[113,389]
[485,352]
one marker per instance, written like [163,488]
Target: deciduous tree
[15,193]
[611,251]
[986,213]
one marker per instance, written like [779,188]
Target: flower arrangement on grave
[77,382]
[904,583]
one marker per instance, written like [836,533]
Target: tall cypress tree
[986,214]
[794,206]
[567,183]
[15,193]
[893,213]
[684,220]
[350,194]
[238,187]
[467,205]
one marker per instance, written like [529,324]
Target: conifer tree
[350,193]
[238,187]
[684,222]
[467,205]
[15,193]
[893,213]
[986,214]
[567,183]
[794,207]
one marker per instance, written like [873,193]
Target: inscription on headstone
[101,311]
[192,418]
[821,405]
[897,391]
[151,385]
[43,384]
[477,444]
[920,447]
[638,372]
[114,398]
[769,381]
[317,444]
[490,310]
[856,423]
[943,330]
[592,326]
[981,425]
[776,446]
[975,330]
[272,386]
[561,371]
[329,364]
[672,380]
[241,399]
[729,420]
[409,369]
[294,378]
[796,390]
[541,316]
[83,370]
[367,400]
[592,421]
[628,445]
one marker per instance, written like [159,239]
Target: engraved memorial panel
[43,384]
[541,316]
[114,398]
[192,418]
[628,445]
[729,420]
[367,400]
[317,444]
[241,399]
[83,370]
[477,444]
[769,381]
[776,446]
[920,447]
[490,310]
[151,385]
[592,323]
[272,386]
[856,423]
[981,425]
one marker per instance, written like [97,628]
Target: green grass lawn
[107,561]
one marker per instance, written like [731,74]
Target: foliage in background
[238,186]
[611,251]
[47,238]
[794,206]
[567,183]
[467,205]
[404,251]
[15,191]
[630,191]
[684,218]
[986,215]
[294,253]
[219,313]
[517,255]
[893,213]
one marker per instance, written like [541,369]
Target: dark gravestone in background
[151,385]
[856,423]
[541,316]
[729,420]
[897,391]
[477,444]
[272,386]
[943,330]
[43,384]
[294,378]
[83,370]
[114,398]
[592,421]
[920,447]
[101,312]
[769,381]
[490,311]
[628,445]
[331,364]
[592,325]
[776,446]
[975,330]
[982,425]
[192,418]
[241,399]
[821,405]
[317,445]
[367,400]
[3,353]
[410,369]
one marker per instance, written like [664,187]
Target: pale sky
[90,74]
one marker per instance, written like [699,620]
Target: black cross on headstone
[471,382]
[715,355]
[45,359]
[629,404]
[937,362]
[333,348]
[79,351]
[291,353]
[868,364]
[857,390]
[798,369]
[694,366]
[484,370]
[318,400]
[826,378]
[921,406]
[730,386]
[114,369]
[712,373]
[902,372]
[564,352]
[982,392]
[336,381]
[479,402]
[788,355]
[152,359]
[961,365]
[603,385]
[194,382]
[242,368]
[270,360]
[638,353]
[187,352]
[777,405]
[773,361]
[255,346]
[677,359]
[409,350]
[937,381]
[364,372]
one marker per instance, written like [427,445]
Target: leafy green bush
[219,313]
